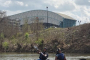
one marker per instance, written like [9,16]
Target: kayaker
[60,55]
[43,55]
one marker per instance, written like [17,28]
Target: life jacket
[43,57]
[61,56]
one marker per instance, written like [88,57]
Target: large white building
[46,17]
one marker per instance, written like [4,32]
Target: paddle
[35,46]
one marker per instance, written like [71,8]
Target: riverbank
[70,40]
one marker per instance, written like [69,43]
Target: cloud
[26,5]
[86,11]
[67,6]
[61,5]
[39,4]
[78,9]
[81,13]
[13,12]
[6,3]
[20,3]
[83,2]
[54,5]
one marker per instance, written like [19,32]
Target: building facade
[48,18]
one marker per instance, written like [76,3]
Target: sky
[77,9]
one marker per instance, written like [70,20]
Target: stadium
[48,18]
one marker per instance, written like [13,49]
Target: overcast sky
[78,9]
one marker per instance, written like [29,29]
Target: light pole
[79,22]
[37,20]
[47,17]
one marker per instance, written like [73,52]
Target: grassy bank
[70,40]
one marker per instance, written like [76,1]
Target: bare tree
[8,27]
[36,27]
[2,22]
[2,14]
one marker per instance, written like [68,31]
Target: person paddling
[60,55]
[43,55]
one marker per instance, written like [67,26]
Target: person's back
[59,55]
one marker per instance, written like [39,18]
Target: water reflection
[15,56]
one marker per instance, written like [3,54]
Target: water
[28,56]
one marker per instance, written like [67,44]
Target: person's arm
[64,58]
[56,58]
[43,54]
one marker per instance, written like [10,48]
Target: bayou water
[30,56]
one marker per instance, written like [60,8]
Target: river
[28,56]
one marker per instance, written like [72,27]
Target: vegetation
[5,45]
[72,40]
[26,36]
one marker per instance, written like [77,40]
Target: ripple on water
[35,57]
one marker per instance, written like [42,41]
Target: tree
[2,21]
[36,27]
[2,14]
[8,27]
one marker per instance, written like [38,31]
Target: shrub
[5,45]
[2,35]
[39,41]
[13,37]
[26,36]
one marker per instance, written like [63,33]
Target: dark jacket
[42,57]
[61,56]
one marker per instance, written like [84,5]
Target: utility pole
[37,21]
[47,17]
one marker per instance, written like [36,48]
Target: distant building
[54,19]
